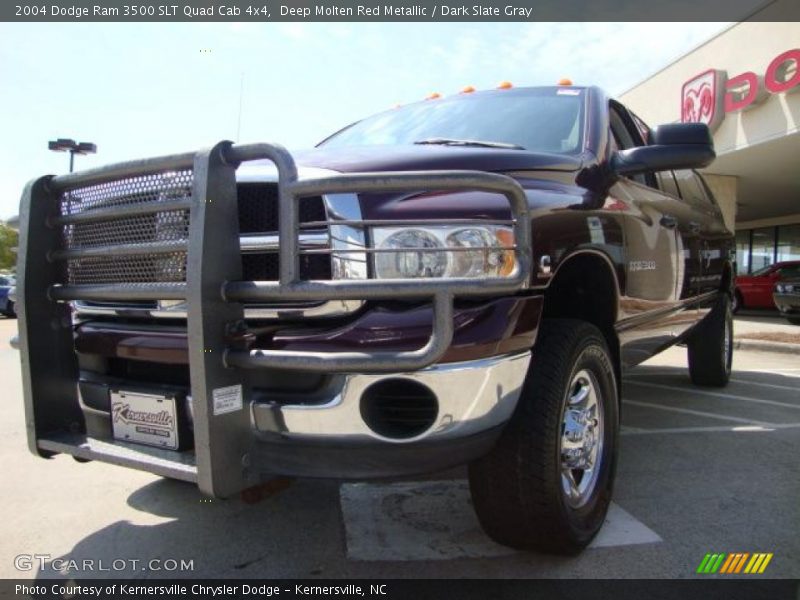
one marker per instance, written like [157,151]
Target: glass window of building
[743,251]
[789,242]
[763,253]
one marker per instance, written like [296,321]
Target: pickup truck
[461,280]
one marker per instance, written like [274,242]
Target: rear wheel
[547,483]
[794,320]
[711,346]
[11,312]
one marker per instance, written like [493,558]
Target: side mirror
[672,146]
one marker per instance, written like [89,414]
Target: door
[714,241]
[652,311]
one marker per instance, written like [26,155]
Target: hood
[321,162]
[366,159]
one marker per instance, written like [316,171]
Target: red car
[755,290]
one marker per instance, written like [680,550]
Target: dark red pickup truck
[461,280]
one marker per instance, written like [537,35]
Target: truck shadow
[213,538]
[296,533]
[297,530]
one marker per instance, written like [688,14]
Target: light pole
[73,147]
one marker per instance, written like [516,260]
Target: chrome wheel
[581,439]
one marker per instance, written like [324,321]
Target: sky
[141,90]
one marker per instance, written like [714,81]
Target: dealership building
[745,84]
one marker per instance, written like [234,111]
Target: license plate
[144,418]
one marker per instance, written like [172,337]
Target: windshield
[539,119]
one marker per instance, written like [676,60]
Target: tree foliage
[8,240]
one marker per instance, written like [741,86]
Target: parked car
[6,304]
[460,280]
[755,290]
[787,299]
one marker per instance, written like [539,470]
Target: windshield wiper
[475,143]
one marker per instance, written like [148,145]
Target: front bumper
[332,437]
[787,303]
[224,453]
[471,397]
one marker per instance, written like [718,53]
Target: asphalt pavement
[700,471]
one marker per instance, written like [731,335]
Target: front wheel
[711,346]
[794,320]
[547,483]
[11,313]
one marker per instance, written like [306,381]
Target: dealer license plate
[144,418]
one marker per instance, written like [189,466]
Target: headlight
[458,251]
[423,257]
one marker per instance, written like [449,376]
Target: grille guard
[214,292]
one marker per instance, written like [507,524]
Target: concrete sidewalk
[757,329]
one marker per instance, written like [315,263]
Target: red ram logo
[700,99]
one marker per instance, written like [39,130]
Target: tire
[794,320]
[10,312]
[711,346]
[738,302]
[518,489]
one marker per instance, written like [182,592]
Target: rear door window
[667,183]
[691,188]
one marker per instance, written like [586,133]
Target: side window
[790,272]
[644,130]
[667,183]
[630,131]
[623,138]
[691,189]
[707,191]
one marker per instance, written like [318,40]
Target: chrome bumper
[472,396]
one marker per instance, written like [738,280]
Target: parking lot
[700,470]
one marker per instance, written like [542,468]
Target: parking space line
[434,520]
[655,373]
[696,413]
[710,429]
[794,388]
[716,394]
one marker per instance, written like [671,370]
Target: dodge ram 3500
[457,281]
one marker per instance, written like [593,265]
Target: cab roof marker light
[504,85]
[467,89]
[433,96]
[565,81]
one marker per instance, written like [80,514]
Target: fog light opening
[399,408]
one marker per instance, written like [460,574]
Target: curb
[765,346]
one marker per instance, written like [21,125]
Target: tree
[8,240]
